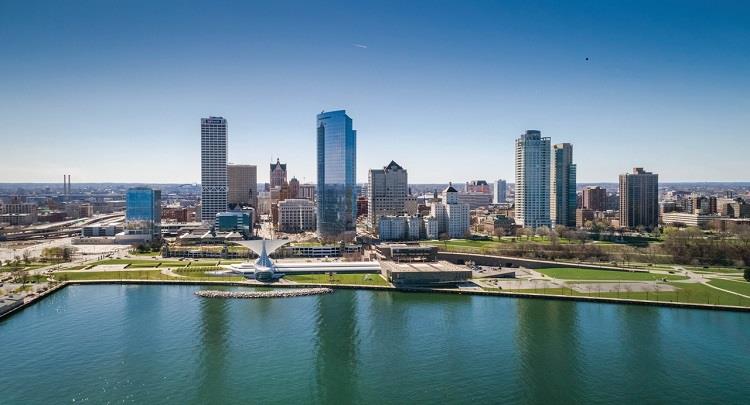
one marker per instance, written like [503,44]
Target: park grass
[201,275]
[112,275]
[694,293]
[566,273]
[742,287]
[124,261]
[358,279]
[714,269]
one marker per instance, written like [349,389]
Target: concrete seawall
[506,294]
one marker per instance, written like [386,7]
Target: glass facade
[337,160]
[143,212]
[233,221]
[563,198]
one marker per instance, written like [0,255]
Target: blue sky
[114,90]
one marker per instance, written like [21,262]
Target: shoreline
[508,294]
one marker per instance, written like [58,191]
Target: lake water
[163,344]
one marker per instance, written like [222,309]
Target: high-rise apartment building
[594,198]
[563,201]
[243,185]
[214,185]
[532,193]
[337,186]
[387,189]
[278,174]
[639,199]
[453,217]
[143,213]
[501,192]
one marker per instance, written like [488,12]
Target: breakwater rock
[286,293]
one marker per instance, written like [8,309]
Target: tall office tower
[278,174]
[337,164]
[477,186]
[387,189]
[243,185]
[532,193]
[213,167]
[639,199]
[501,192]
[143,213]
[594,198]
[294,188]
[563,201]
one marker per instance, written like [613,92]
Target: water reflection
[549,353]
[337,338]
[640,340]
[214,335]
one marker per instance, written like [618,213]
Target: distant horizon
[109,93]
[73,183]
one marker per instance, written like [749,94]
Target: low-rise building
[688,219]
[296,215]
[316,250]
[101,230]
[584,215]
[401,227]
[402,252]
[497,225]
[424,274]
[234,221]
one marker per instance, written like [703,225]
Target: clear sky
[114,90]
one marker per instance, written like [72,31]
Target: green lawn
[595,274]
[201,275]
[125,261]
[112,275]
[687,292]
[714,269]
[742,287]
[360,279]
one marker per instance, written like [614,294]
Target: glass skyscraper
[337,165]
[563,201]
[143,212]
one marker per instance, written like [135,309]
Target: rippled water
[163,344]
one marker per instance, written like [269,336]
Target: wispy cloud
[360,46]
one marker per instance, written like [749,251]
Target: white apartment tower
[387,189]
[532,199]
[451,215]
[214,185]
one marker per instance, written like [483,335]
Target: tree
[543,231]
[26,257]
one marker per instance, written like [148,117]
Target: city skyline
[636,77]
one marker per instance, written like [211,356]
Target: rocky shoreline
[263,294]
